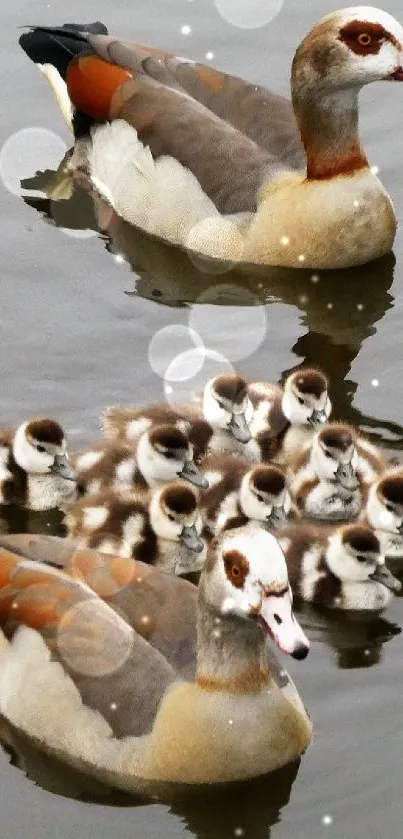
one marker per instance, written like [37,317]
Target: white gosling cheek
[278,615]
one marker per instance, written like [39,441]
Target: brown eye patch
[236,567]
[365,38]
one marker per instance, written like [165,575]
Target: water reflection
[356,638]
[236,810]
[339,309]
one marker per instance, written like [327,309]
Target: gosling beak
[382,575]
[191,565]
[347,477]
[397,74]
[318,418]
[277,619]
[191,473]
[61,466]
[277,515]
[191,539]
[239,428]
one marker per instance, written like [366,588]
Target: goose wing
[116,671]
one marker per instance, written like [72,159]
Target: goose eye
[170,455]
[327,454]
[260,497]
[40,448]
[171,517]
[361,558]
[389,508]
[300,400]
[364,39]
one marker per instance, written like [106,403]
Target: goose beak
[61,466]
[382,575]
[239,428]
[191,539]
[347,477]
[277,619]
[191,473]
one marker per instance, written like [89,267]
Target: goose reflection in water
[338,310]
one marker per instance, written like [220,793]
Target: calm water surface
[76,326]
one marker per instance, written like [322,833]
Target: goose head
[385,504]
[39,447]
[306,400]
[164,453]
[226,405]
[174,515]
[263,495]
[354,556]
[344,51]
[334,455]
[347,49]
[245,576]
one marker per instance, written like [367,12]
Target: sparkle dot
[327,820]
[301,258]
[168,388]
[217,620]
[145,620]
[367,652]
[303,298]
[230,722]
[186,29]
[330,305]
[283,674]
[139,580]
[209,55]
[217,633]
[239,831]
[356,203]
[119,258]
[315,278]
[375,383]
[285,240]
[14,606]
[374,170]
[113,706]
[360,306]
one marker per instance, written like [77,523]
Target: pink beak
[277,618]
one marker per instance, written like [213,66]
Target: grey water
[80,320]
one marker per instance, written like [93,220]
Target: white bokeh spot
[188,373]
[248,14]
[170,342]
[235,331]
[26,152]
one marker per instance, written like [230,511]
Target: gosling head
[245,576]
[39,447]
[164,453]
[263,495]
[334,455]
[354,556]
[385,504]
[306,401]
[226,405]
[175,515]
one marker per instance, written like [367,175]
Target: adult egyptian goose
[35,471]
[222,167]
[118,710]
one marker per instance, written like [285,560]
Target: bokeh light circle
[229,320]
[248,14]
[92,656]
[26,152]
[169,343]
[188,373]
